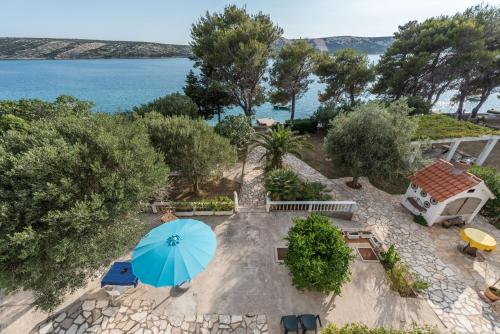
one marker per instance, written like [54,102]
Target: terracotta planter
[490,295]
[184,213]
[203,213]
[223,213]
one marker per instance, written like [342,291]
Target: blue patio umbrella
[174,252]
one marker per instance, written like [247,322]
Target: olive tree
[174,104]
[374,141]
[191,147]
[69,188]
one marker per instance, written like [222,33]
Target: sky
[169,21]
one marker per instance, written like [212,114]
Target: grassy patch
[441,126]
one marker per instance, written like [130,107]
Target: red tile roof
[441,180]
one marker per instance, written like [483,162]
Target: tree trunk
[218,114]
[484,96]
[351,96]
[355,182]
[292,115]
[460,108]
[196,187]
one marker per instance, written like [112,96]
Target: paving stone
[82,328]
[46,328]
[60,317]
[88,305]
[72,329]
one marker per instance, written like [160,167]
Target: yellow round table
[477,239]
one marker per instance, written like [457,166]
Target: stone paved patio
[455,281]
[136,316]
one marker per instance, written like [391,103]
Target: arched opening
[461,206]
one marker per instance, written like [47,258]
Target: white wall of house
[435,212]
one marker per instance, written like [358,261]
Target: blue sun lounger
[120,273]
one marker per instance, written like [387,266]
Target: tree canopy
[346,75]
[291,72]
[34,109]
[318,257]
[458,52]
[374,141]
[191,147]
[209,95]
[68,190]
[237,129]
[237,46]
[175,104]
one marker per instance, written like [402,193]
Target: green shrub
[314,191]
[283,185]
[419,105]
[420,220]
[402,280]
[391,257]
[237,129]
[222,203]
[318,257]
[325,114]
[491,177]
[175,104]
[306,125]
[363,329]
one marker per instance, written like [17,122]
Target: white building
[441,191]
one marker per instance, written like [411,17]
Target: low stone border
[98,316]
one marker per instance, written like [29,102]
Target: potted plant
[492,293]
[223,206]
[184,209]
[203,209]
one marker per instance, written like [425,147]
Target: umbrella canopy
[173,253]
[478,239]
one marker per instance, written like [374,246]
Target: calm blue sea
[119,84]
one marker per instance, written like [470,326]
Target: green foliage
[318,257]
[11,122]
[437,126]
[237,129]
[491,177]
[236,46]
[346,75]
[420,220]
[278,142]
[314,191]
[363,329]
[190,147]
[325,114]
[419,105]
[33,109]
[302,126]
[174,104]
[220,203]
[442,53]
[391,257]
[208,94]
[291,72]
[283,185]
[402,280]
[68,190]
[374,141]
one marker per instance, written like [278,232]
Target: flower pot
[490,295]
[184,213]
[223,213]
[203,213]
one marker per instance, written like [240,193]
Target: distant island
[369,45]
[54,48]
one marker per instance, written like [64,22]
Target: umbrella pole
[472,251]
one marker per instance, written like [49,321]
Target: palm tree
[278,142]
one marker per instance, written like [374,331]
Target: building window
[427,204]
[414,186]
[471,190]
[433,201]
[423,194]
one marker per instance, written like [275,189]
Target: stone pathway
[253,193]
[97,316]
[458,305]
